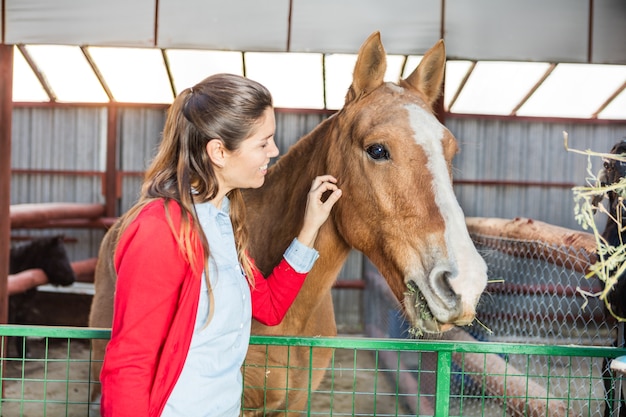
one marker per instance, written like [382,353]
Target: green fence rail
[50,376]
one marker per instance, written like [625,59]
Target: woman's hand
[317,211]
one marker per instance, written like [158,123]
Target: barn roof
[562,58]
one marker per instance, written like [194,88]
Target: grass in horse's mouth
[421,307]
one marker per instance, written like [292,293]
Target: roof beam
[532,90]
[33,66]
[98,74]
[608,101]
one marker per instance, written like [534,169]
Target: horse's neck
[277,209]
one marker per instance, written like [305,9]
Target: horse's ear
[428,76]
[370,67]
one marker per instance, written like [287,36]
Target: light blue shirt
[210,384]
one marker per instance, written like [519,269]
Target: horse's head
[614,169]
[396,160]
[49,254]
[612,172]
[59,268]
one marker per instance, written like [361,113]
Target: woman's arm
[272,297]
[150,271]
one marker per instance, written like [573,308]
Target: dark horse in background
[615,235]
[47,254]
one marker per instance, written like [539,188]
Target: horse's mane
[33,248]
[47,253]
[300,155]
[282,199]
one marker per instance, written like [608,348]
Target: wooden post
[6,114]
[111,180]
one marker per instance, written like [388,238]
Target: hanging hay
[611,260]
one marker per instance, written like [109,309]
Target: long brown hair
[227,107]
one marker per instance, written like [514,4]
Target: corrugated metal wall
[58,142]
[139,136]
[515,151]
[74,139]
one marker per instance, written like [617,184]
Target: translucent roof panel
[616,108]
[339,68]
[26,86]
[456,71]
[394,67]
[498,87]
[412,61]
[574,90]
[294,79]
[68,73]
[188,66]
[315,81]
[134,75]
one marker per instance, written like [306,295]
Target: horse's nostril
[440,283]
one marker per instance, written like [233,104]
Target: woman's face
[246,167]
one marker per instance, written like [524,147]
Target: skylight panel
[339,68]
[26,86]
[68,73]
[412,61]
[189,67]
[134,75]
[394,68]
[574,90]
[616,108]
[294,79]
[497,87]
[456,71]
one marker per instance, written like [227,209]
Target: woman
[186,290]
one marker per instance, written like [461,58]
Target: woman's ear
[216,151]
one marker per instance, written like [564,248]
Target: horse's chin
[422,320]
[421,327]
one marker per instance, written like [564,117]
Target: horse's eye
[377,151]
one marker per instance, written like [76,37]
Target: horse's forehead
[426,128]
[419,118]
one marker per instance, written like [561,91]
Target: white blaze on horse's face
[461,270]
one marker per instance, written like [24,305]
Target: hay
[611,260]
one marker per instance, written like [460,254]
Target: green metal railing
[382,377]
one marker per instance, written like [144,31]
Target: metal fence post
[444,369]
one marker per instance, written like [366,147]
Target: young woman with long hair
[186,290]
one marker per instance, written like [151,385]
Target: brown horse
[393,160]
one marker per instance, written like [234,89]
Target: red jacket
[155,305]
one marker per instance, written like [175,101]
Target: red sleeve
[150,271]
[272,297]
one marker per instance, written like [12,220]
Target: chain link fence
[537,294]
[533,299]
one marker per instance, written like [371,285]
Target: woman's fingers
[321,185]
[317,211]
[332,199]
[323,180]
